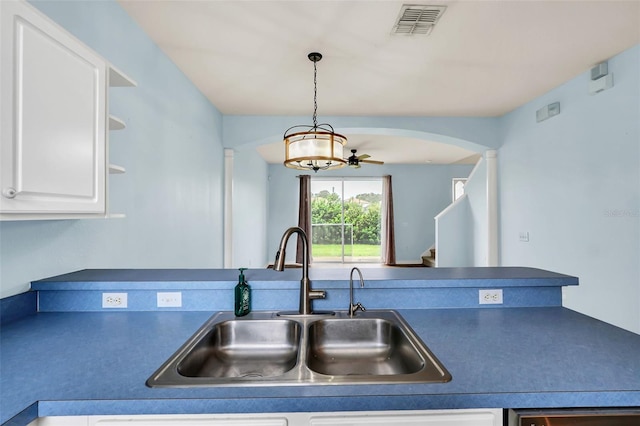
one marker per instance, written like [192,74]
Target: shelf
[115,170]
[115,123]
[119,79]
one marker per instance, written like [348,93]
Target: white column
[228,208]
[492,208]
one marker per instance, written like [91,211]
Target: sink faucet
[358,306]
[306,294]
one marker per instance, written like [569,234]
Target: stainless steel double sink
[270,348]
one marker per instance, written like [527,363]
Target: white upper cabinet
[54,120]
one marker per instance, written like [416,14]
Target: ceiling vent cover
[417,19]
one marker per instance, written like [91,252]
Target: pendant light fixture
[315,147]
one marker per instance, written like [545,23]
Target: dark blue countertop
[386,288]
[97,363]
[113,279]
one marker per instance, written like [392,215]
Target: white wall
[171,149]
[462,234]
[476,191]
[454,235]
[419,193]
[573,183]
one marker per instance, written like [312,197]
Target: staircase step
[429,261]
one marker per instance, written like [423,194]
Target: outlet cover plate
[114,300]
[490,296]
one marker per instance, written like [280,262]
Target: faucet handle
[355,308]
[317,294]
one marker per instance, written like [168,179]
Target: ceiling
[483,58]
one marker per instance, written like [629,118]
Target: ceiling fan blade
[363,156]
[372,162]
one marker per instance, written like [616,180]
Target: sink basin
[266,349]
[253,348]
[361,346]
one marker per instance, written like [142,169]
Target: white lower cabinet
[491,417]
[470,417]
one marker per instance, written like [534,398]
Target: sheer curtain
[388,241]
[304,214]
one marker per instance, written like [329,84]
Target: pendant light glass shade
[315,147]
[315,150]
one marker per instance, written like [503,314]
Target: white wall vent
[417,19]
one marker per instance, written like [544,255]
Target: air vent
[417,19]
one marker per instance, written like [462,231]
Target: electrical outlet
[114,300]
[491,297]
[169,299]
[523,237]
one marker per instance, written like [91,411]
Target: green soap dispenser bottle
[243,296]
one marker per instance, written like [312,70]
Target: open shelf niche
[117,79]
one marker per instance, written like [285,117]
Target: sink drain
[251,375]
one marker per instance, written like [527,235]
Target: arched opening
[406,154]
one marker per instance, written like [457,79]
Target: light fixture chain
[315,95]
[317,147]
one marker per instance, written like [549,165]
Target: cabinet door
[53,94]
[164,420]
[473,417]
[191,420]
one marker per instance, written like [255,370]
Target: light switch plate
[169,299]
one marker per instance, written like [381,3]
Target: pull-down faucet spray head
[278,265]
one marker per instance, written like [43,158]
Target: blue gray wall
[473,133]
[420,192]
[414,209]
[251,195]
[573,183]
[171,149]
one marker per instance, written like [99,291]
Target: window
[457,187]
[345,219]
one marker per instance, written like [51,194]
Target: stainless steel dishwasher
[574,417]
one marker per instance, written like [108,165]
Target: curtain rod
[343,177]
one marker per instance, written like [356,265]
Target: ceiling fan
[355,160]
